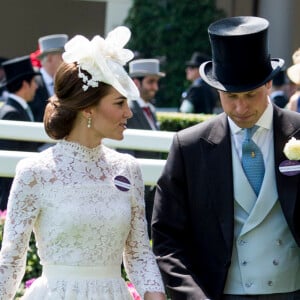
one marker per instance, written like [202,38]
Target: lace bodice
[81,214]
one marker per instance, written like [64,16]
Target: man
[222,229]
[199,97]
[2,78]
[51,48]
[21,86]
[278,93]
[146,75]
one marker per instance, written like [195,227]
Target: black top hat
[240,56]
[196,60]
[17,68]
[280,78]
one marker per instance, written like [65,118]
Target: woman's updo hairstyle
[69,98]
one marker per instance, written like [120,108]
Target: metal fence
[149,140]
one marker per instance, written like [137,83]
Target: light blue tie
[252,160]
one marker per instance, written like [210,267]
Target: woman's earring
[89,122]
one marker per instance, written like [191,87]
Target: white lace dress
[86,209]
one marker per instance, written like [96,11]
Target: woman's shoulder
[122,160]
[116,155]
[35,161]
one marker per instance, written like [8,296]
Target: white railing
[158,141]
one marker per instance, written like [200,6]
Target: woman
[293,72]
[83,201]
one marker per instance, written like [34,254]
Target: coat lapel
[220,173]
[23,114]
[288,186]
[266,198]
[139,116]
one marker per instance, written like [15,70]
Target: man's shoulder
[287,114]
[7,108]
[203,130]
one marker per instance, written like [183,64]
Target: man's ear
[137,82]
[269,84]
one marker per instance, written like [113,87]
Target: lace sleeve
[139,260]
[21,214]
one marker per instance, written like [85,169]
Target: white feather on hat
[293,72]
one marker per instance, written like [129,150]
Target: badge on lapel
[122,183]
[291,150]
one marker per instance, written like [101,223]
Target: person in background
[3,93]
[146,74]
[225,223]
[293,73]
[199,97]
[278,93]
[21,87]
[49,56]
[83,201]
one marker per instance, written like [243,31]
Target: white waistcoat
[265,258]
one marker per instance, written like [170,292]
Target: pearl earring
[89,122]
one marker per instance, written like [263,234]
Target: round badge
[290,167]
[122,183]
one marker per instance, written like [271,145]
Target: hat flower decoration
[291,150]
[103,59]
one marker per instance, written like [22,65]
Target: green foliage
[172,30]
[177,121]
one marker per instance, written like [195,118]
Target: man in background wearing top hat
[2,79]
[199,97]
[278,93]
[51,48]
[221,228]
[146,75]
[21,86]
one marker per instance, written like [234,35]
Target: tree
[171,30]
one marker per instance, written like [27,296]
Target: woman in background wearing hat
[293,73]
[83,201]
[20,86]
[226,223]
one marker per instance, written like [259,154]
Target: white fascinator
[103,59]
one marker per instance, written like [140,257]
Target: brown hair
[69,99]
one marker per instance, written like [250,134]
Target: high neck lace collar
[78,151]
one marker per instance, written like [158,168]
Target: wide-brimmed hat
[52,43]
[145,67]
[17,68]
[196,60]
[293,72]
[240,55]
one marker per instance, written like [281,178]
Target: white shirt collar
[265,121]
[142,103]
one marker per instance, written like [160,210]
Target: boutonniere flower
[291,150]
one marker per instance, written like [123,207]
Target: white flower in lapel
[292,149]
[291,167]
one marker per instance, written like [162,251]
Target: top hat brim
[191,64]
[53,50]
[6,82]
[206,72]
[143,74]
